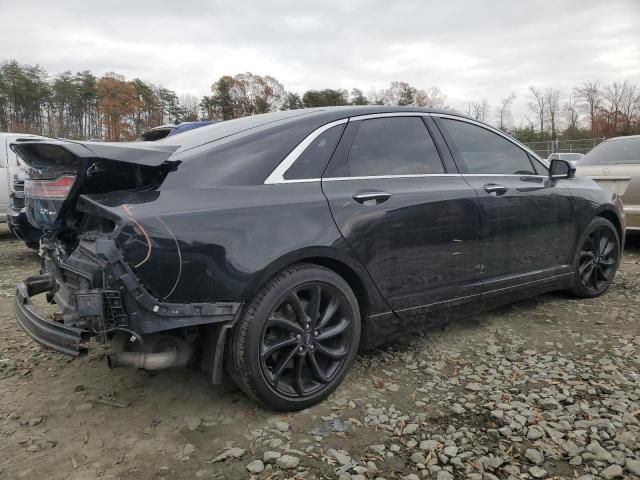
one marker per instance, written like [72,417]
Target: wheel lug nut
[299,337]
[308,326]
[312,347]
[301,349]
[315,333]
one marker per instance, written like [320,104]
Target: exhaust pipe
[145,361]
[174,352]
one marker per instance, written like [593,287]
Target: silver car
[615,165]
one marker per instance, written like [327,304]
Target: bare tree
[614,95]
[503,111]
[478,110]
[570,111]
[630,104]
[552,101]
[435,98]
[189,105]
[538,106]
[591,94]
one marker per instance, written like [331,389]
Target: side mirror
[560,169]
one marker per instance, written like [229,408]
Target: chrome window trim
[277,175]
[528,175]
[374,177]
[371,116]
[494,130]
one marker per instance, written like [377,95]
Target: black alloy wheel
[297,339]
[597,258]
[306,339]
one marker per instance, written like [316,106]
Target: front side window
[486,152]
[393,146]
[311,163]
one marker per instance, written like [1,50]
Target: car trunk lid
[623,179]
[60,171]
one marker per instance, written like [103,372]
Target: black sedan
[279,244]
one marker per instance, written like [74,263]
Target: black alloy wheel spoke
[313,307]
[299,372]
[329,312]
[295,303]
[608,248]
[604,275]
[283,323]
[334,331]
[332,353]
[281,366]
[587,254]
[317,371]
[268,350]
[607,262]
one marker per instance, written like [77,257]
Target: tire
[597,259]
[285,356]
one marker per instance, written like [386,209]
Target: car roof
[622,138]
[307,118]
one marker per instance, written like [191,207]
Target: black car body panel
[198,242]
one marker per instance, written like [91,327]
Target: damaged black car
[276,246]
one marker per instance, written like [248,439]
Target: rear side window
[625,150]
[486,152]
[393,146]
[311,163]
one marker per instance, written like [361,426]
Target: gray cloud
[469,49]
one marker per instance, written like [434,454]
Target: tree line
[83,106]
[590,110]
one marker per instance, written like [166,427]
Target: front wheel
[297,339]
[597,259]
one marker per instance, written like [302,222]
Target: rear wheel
[597,259]
[297,339]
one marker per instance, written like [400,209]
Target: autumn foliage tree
[118,104]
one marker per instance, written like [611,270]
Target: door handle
[495,188]
[379,197]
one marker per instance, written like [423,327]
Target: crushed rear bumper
[45,331]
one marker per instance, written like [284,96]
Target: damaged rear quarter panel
[221,244]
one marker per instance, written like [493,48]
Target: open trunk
[60,171]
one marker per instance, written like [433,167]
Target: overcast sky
[470,49]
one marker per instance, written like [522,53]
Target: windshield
[624,150]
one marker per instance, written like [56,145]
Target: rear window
[625,150]
[154,135]
[311,163]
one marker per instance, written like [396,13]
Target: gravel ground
[546,388]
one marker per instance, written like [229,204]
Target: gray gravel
[546,388]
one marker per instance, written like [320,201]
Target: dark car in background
[277,245]
[163,131]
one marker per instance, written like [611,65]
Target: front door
[414,225]
[527,234]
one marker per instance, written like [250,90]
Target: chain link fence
[544,149]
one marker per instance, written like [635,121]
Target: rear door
[527,234]
[409,216]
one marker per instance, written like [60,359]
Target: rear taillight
[57,189]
